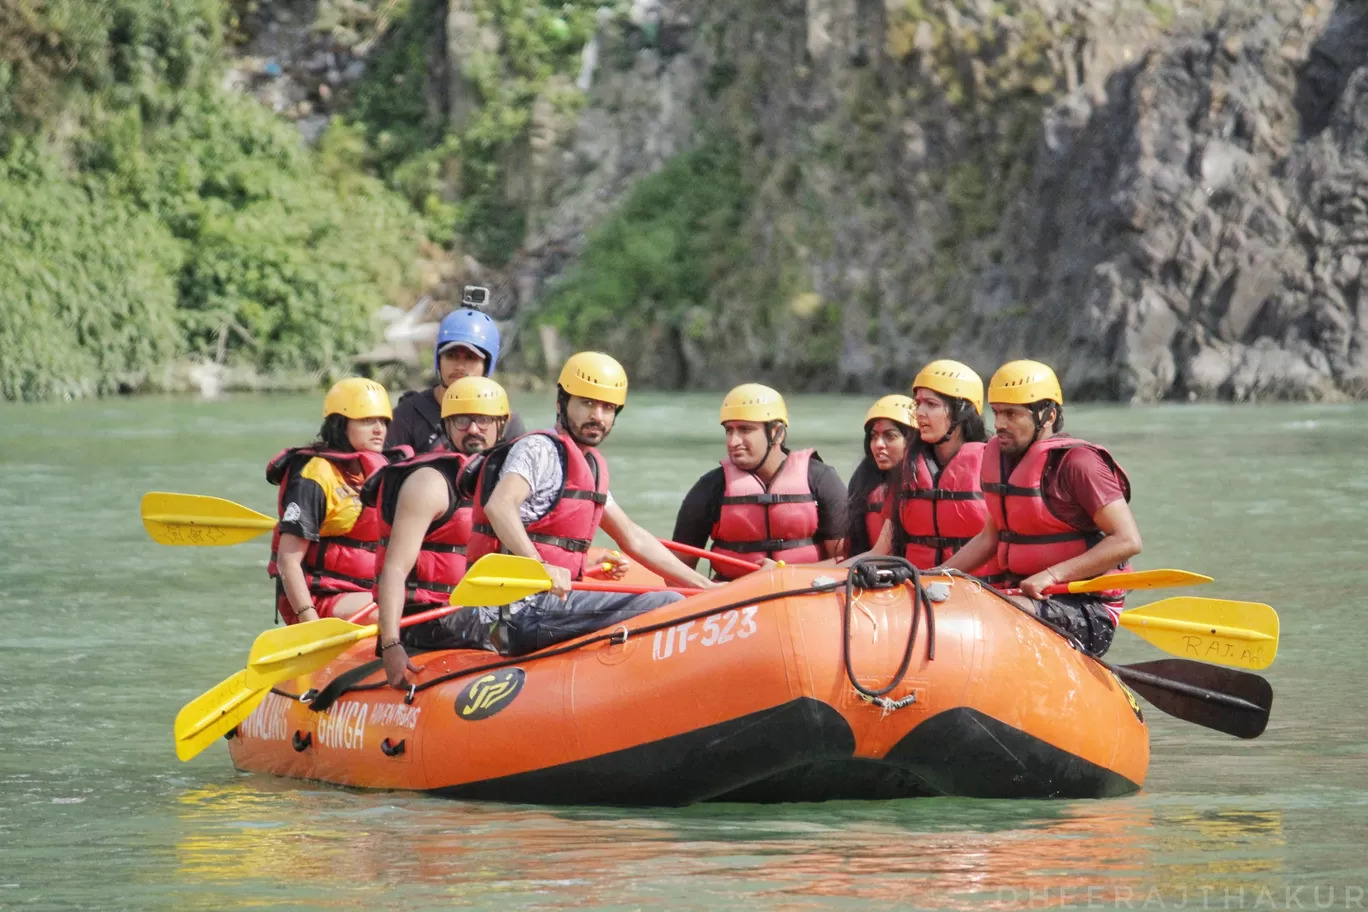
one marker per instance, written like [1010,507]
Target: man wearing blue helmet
[467,346]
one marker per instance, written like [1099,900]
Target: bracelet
[384,646]
[1054,579]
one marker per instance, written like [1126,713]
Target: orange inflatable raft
[788,685]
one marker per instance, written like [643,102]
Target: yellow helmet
[1024,382]
[475,396]
[357,397]
[595,375]
[895,408]
[951,378]
[754,402]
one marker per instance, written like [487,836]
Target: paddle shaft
[1060,589]
[1201,693]
[736,563]
[585,585]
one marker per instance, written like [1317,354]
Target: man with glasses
[425,502]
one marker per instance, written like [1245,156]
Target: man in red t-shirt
[1058,507]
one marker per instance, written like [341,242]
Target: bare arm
[290,565]
[1121,544]
[642,546]
[422,499]
[502,509]
[881,548]
[978,551]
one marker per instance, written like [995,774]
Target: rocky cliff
[1163,199]
[1167,199]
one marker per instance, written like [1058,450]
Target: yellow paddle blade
[1223,632]
[1140,579]
[282,653]
[192,519]
[497,579]
[214,713]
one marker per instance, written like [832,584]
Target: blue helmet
[474,329]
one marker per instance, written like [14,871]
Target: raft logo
[490,693]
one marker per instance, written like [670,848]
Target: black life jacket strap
[769,545]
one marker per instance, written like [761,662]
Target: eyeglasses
[483,422]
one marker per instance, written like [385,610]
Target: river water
[107,635]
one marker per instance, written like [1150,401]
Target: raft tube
[781,686]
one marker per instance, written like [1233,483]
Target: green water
[107,635]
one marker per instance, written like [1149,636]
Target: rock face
[1163,201]
[1200,229]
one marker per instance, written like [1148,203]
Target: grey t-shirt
[536,459]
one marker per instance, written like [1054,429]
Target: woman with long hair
[936,503]
[889,429]
[323,552]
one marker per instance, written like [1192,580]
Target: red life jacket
[1030,536]
[874,520]
[334,563]
[561,537]
[940,516]
[442,557]
[778,521]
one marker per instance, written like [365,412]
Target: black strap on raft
[351,679]
[865,574]
[885,573]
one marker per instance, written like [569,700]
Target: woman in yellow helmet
[936,504]
[888,430]
[323,552]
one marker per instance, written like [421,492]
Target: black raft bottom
[801,751]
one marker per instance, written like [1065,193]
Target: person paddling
[764,503]
[426,508]
[323,548]
[1057,507]
[545,496]
[467,346]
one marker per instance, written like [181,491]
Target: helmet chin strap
[770,440]
[1039,425]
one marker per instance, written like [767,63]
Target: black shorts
[1083,617]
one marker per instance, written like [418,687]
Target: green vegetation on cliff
[662,253]
[466,166]
[149,214]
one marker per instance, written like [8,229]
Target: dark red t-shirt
[1081,484]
